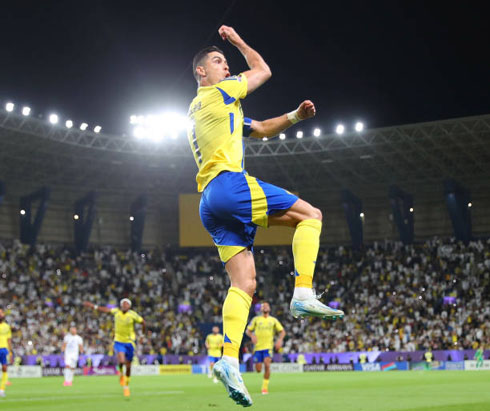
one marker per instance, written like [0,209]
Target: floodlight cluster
[53,118]
[157,127]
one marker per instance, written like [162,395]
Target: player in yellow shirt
[214,344]
[124,336]
[262,330]
[234,204]
[5,350]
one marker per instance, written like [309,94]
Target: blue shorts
[234,204]
[126,348]
[213,359]
[4,354]
[260,356]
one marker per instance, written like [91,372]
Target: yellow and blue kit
[233,204]
[124,335]
[264,329]
[215,343]
[5,335]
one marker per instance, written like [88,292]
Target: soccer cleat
[67,384]
[121,381]
[312,307]
[126,392]
[265,392]
[215,380]
[2,393]
[233,382]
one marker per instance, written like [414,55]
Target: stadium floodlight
[131,218]
[282,136]
[470,205]
[22,212]
[340,129]
[9,106]
[139,132]
[76,216]
[299,134]
[411,209]
[133,119]
[264,139]
[83,126]
[26,111]
[156,127]
[97,129]
[53,118]
[359,126]
[361,215]
[317,132]
[69,124]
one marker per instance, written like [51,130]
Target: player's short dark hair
[200,56]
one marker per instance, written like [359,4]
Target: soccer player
[124,336]
[262,330]
[72,346]
[234,204]
[214,344]
[5,350]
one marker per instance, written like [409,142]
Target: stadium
[89,217]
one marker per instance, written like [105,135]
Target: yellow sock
[235,316]
[4,380]
[306,242]
[265,384]
[126,382]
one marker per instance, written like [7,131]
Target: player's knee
[250,286]
[316,214]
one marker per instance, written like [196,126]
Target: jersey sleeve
[114,311]
[80,340]
[278,326]
[137,318]
[233,88]
[207,339]
[9,334]
[251,326]
[65,339]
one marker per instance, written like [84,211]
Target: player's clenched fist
[306,110]
[229,33]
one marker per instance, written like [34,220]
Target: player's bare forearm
[259,71]
[95,307]
[143,324]
[273,126]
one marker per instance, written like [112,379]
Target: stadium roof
[34,152]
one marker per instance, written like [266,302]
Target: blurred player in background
[124,336]
[214,344]
[262,330]
[72,347]
[234,204]
[5,350]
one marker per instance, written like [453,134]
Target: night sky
[385,62]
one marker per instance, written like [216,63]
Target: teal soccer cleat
[312,307]
[233,382]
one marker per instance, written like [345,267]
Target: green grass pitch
[339,391]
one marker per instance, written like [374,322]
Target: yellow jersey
[264,329]
[5,334]
[124,325]
[216,128]
[215,342]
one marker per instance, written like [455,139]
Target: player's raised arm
[259,71]
[274,126]
[96,307]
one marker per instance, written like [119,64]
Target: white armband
[293,117]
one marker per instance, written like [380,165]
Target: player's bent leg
[258,367]
[121,359]
[3,380]
[306,242]
[241,270]
[126,391]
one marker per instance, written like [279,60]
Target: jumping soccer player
[233,203]
[214,344]
[262,330]
[72,346]
[5,350]
[124,336]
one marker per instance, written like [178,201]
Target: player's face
[265,308]
[73,330]
[214,69]
[125,306]
[215,330]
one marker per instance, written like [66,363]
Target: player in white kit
[72,346]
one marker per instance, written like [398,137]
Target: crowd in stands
[432,295]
